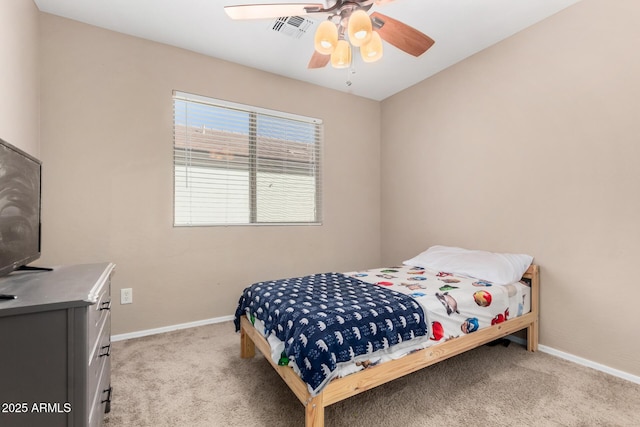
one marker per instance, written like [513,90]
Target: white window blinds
[237,164]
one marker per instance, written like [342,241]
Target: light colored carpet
[195,377]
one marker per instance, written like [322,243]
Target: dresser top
[64,287]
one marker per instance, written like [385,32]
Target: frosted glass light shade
[326,37]
[372,51]
[359,28]
[341,56]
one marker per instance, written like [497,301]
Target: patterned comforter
[327,319]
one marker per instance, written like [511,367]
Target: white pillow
[500,269]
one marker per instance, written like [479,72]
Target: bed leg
[247,346]
[532,336]
[314,412]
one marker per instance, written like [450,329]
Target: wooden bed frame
[342,388]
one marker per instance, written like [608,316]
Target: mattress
[453,306]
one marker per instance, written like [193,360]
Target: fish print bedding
[330,325]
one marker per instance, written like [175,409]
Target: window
[237,164]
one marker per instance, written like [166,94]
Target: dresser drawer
[98,313]
[102,396]
[99,353]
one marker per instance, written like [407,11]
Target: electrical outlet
[126,296]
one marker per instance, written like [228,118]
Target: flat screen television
[20,178]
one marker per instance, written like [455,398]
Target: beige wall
[107,148]
[19,75]
[533,146]
[528,146]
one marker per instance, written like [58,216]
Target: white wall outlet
[126,296]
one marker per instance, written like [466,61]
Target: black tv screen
[19,208]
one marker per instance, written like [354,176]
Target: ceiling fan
[346,20]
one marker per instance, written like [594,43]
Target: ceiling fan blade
[402,36]
[318,60]
[268,11]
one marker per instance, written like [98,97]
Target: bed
[436,305]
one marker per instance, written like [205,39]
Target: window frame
[253,158]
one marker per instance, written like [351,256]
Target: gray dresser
[55,346]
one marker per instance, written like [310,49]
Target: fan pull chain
[351,71]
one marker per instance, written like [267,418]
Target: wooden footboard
[342,388]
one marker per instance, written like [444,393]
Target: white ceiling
[460,28]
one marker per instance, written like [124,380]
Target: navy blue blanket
[325,319]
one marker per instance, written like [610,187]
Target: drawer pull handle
[105,305]
[103,352]
[107,407]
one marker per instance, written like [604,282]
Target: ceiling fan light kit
[359,29]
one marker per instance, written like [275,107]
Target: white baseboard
[147,332]
[590,364]
[543,348]
[581,361]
